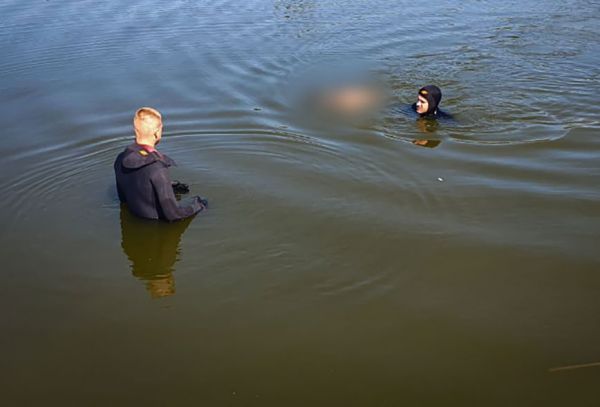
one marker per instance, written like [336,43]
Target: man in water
[427,107]
[428,101]
[143,181]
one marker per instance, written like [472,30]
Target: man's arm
[166,198]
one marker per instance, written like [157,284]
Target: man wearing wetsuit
[428,100]
[142,174]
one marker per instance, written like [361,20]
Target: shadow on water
[153,249]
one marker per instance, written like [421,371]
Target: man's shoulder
[127,150]
[137,158]
[444,115]
[168,161]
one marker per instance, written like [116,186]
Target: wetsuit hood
[433,94]
[136,156]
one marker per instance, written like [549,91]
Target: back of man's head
[147,123]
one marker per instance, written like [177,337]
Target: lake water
[340,265]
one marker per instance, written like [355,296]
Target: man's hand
[203,202]
[180,188]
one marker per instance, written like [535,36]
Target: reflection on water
[428,127]
[153,249]
[426,131]
[426,143]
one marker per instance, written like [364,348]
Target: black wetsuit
[436,114]
[433,95]
[143,184]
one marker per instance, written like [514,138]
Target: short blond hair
[146,114]
[146,119]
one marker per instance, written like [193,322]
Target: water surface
[341,265]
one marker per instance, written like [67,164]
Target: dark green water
[334,268]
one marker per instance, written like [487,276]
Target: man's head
[147,123]
[429,98]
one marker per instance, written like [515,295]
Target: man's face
[422,105]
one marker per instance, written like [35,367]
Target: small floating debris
[258,109]
[440,179]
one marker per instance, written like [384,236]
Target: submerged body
[143,184]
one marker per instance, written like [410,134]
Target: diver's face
[422,105]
